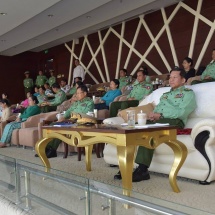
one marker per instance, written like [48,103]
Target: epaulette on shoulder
[187,89]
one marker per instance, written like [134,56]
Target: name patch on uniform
[147,87]
[179,95]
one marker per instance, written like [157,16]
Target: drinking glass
[131,118]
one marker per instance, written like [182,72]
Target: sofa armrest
[33,121]
[204,125]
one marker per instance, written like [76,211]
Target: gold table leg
[126,164]
[180,154]
[40,149]
[88,155]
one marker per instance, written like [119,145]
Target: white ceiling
[28,26]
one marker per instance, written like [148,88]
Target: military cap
[26,72]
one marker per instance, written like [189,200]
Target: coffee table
[124,138]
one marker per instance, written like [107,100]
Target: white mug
[141,118]
[90,114]
[59,116]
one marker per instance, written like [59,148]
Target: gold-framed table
[124,138]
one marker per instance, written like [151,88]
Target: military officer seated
[83,105]
[140,90]
[60,97]
[174,108]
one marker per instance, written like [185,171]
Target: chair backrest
[94,87]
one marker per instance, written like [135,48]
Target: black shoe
[46,151]
[51,153]
[139,175]
[112,165]
[118,176]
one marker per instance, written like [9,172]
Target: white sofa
[197,166]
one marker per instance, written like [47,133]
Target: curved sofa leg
[199,144]
[204,183]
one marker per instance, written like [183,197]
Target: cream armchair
[200,161]
[30,131]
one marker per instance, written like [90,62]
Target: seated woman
[24,104]
[4,96]
[32,110]
[187,65]
[109,96]
[6,111]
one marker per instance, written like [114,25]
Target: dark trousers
[100,106]
[121,105]
[46,109]
[145,155]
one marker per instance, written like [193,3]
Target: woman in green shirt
[31,110]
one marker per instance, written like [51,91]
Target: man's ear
[183,80]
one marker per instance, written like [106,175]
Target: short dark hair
[34,98]
[5,94]
[79,78]
[189,60]
[116,81]
[63,79]
[145,70]
[182,72]
[83,88]
[47,84]
[79,83]
[140,70]
[5,101]
[124,70]
[56,85]
[43,88]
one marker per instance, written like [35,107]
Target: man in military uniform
[140,90]
[123,78]
[83,105]
[28,83]
[209,73]
[174,108]
[52,78]
[41,79]
[60,97]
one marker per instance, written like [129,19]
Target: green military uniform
[175,106]
[140,90]
[83,106]
[123,81]
[72,90]
[41,80]
[148,79]
[28,85]
[209,71]
[41,98]
[52,80]
[60,97]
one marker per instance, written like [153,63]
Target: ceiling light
[3,41]
[3,14]
[88,17]
[50,15]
